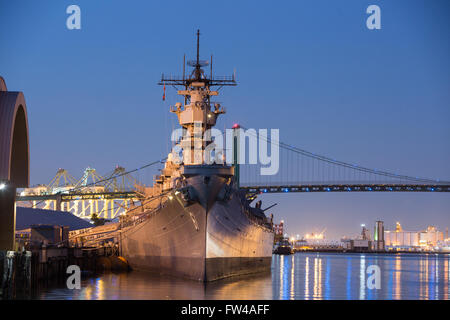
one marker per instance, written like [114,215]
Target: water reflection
[307,278]
[446,273]
[299,276]
[327,279]
[317,278]
[292,296]
[349,279]
[362,277]
[397,277]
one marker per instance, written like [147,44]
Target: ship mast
[198,74]
[197,66]
[197,114]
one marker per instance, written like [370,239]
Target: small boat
[283,247]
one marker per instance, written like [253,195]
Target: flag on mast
[164,94]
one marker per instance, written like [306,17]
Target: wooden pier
[23,272]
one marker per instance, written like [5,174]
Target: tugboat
[195,222]
[283,247]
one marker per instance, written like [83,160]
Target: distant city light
[315,236]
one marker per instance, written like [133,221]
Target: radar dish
[193,63]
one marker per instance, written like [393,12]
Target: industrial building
[378,237]
[400,239]
[318,245]
[35,227]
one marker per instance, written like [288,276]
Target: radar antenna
[198,74]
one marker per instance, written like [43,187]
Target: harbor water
[301,276]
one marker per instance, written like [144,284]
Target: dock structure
[107,196]
[22,272]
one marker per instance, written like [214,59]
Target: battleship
[195,222]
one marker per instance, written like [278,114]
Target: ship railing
[143,217]
[223,78]
[170,77]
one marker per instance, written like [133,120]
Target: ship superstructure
[196,223]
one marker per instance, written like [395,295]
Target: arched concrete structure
[14,159]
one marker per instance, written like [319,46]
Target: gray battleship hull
[206,240]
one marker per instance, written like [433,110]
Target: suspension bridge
[112,194]
[304,171]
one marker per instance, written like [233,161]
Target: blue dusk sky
[379,98]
